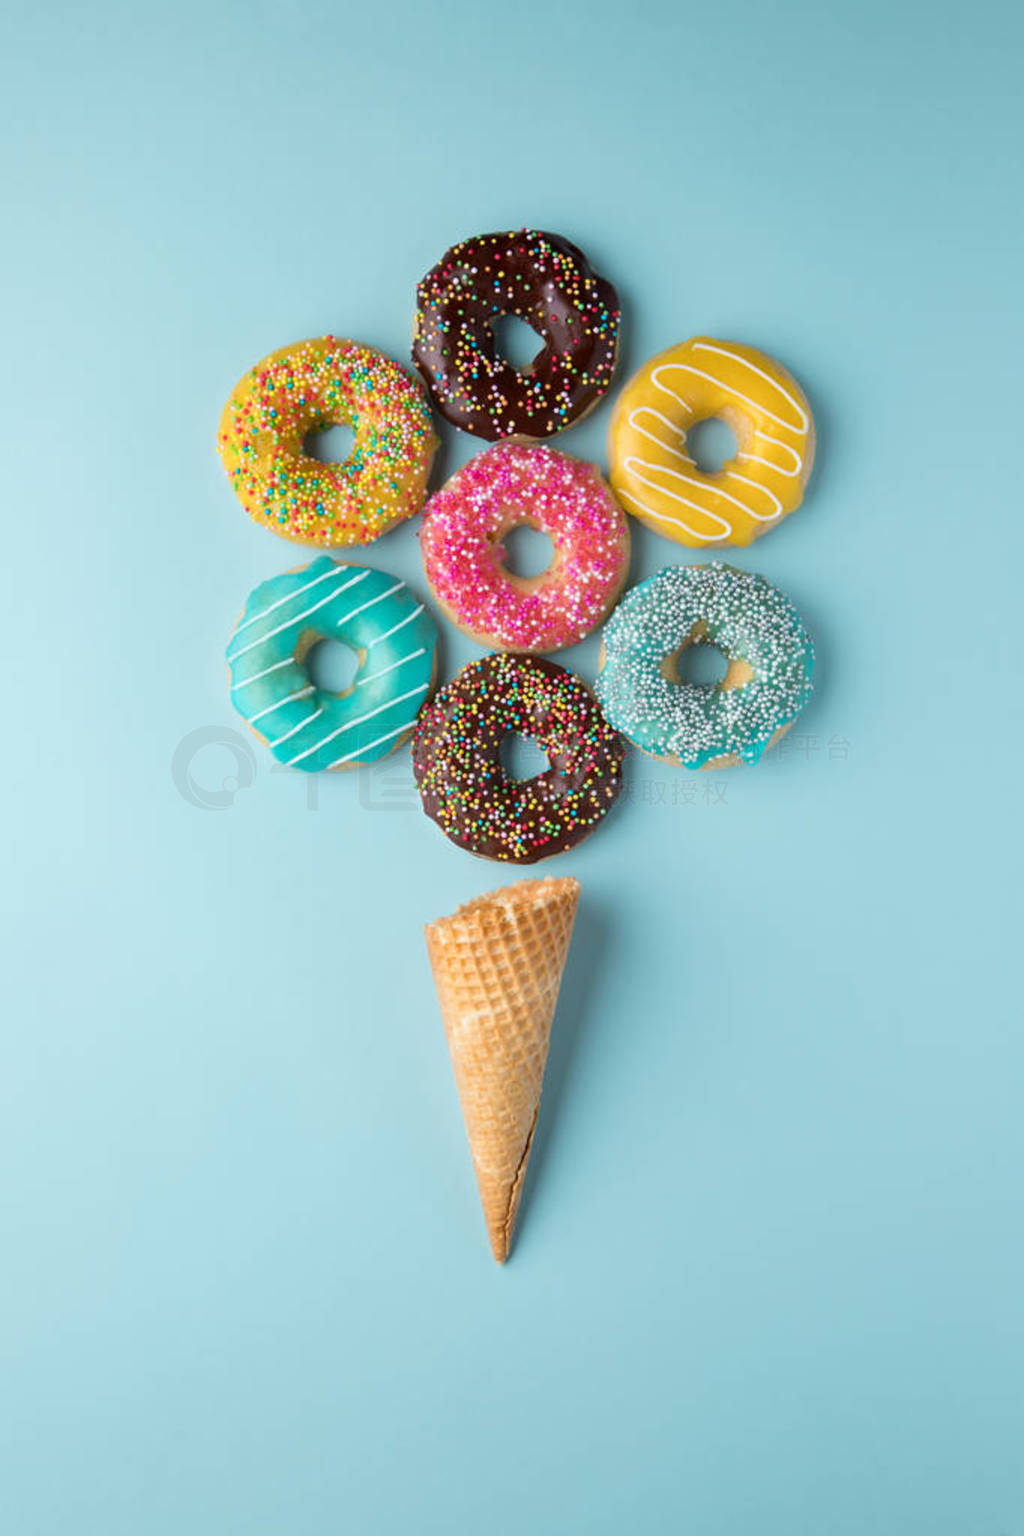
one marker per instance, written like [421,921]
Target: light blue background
[769,1273]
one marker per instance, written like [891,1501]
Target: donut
[375,614]
[513,485]
[657,480]
[456,755]
[547,282]
[305,388]
[753,624]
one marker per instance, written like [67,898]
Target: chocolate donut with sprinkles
[456,754]
[303,389]
[542,279]
[768,681]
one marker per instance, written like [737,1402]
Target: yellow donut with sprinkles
[658,481]
[305,388]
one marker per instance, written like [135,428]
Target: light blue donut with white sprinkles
[752,623]
[377,616]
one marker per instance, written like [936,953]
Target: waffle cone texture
[497,965]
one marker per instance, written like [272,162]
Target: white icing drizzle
[288,661]
[371,744]
[363,606]
[349,724]
[339,570]
[656,381]
[669,437]
[300,693]
[396,627]
[686,501]
[802,419]
[676,448]
[756,458]
[296,728]
[385,670]
[234,655]
[755,485]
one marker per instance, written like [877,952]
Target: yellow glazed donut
[656,479]
[305,388]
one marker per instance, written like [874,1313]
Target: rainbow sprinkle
[547,282]
[457,759]
[305,388]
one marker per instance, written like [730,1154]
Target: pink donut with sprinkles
[516,485]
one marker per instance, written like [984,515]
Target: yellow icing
[305,388]
[656,479]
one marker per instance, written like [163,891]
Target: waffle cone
[497,966]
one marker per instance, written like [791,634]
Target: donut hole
[526,551]
[522,758]
[697,665]
[516,342]
[330,445]
[332,666]
[711,444]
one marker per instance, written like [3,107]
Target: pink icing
[511,484]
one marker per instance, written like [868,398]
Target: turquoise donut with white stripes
[393,635]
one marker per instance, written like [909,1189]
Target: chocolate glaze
[456,754]
[547,282]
